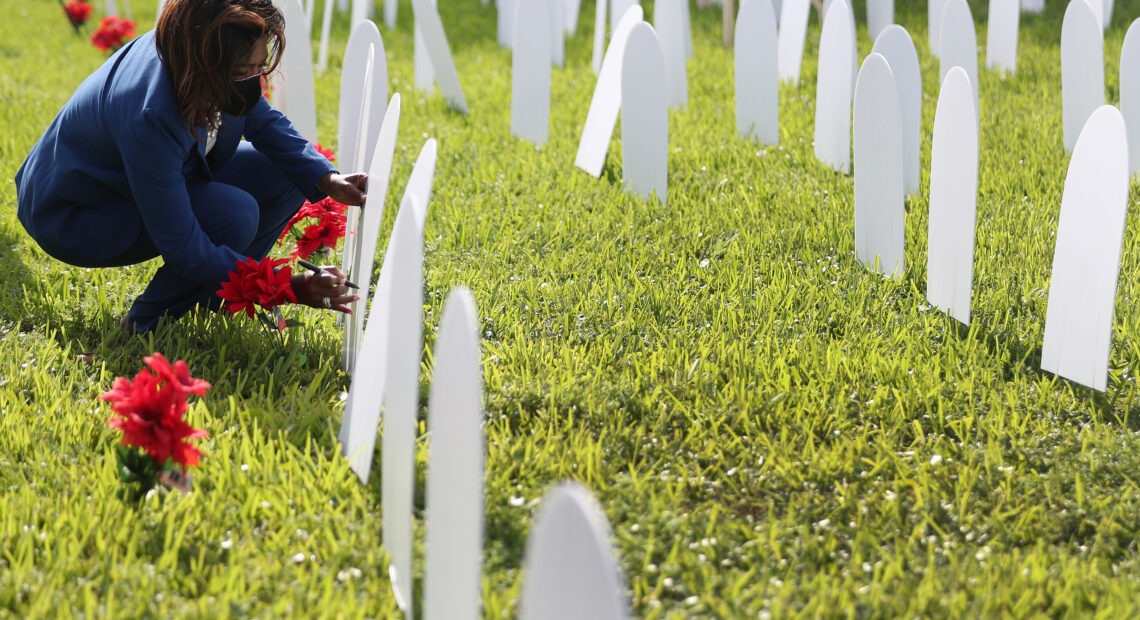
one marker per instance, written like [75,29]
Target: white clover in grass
[692,600]
[517,500]
[227,543]
[298,558]
[936,459]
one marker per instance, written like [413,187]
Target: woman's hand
[326,290]
[347,190]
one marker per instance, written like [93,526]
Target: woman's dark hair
[202,41]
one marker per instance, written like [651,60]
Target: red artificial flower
[78,11]
[112,33]
[328,153]
[266,87]
[258,283]
[150,411]
[324,233]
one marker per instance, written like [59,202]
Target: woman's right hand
[326,290]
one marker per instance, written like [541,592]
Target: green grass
[769,427]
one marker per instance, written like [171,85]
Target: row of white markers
[569,562]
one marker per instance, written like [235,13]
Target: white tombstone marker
[880,14]
[530,72]
[362,254]
[600,13]
[777,8]
[687,28]
[294,91]
[668,23]
[644,114]
[570,571]
[757,81]
[402,402]
[1108,6]
[423,73]
[606,101]
[1032,6]
[1001,37]
[506,22]
[556,13]
[1086,262]
[953,198]
[453,579]
[326,29]
[879,195]
[110,7]
[1130,92]
[959,42]
[428,23]
[934,10]
[1082,69]
[349,264]
[390,11]
[833,89]
[790,39]
[359,12]
[897,47]
[352,88]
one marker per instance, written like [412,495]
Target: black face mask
[243,96]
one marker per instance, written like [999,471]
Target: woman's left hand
[345,189]
[326,290]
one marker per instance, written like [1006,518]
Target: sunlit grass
[768,426]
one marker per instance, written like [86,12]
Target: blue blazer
[117,159]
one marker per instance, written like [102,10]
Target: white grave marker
[1001,37]
[402,401]
[606,101]
[757,81]
[428,22]
[600,12]
[1108,6]
[1130,93]
[570,572]
[934,10]
[1086,262]
[644,114]
[556,13]
[352,88]
[349,264]
[833,89]
[422,71]
[953,198]
[453,579]
[294,88]
[880,14]
[359,12]
[326,28]
[506,22]
[959,43]
[530,72]
[390,10]
[669,23]
[362,254]
[897,47]
[879,231]
[1032,6]
[790,39]
[1082,69]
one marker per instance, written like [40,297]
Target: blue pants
[245,207]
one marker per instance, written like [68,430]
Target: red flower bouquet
[78,12]
[322,236]
[112,33]
[267,283]
[150,411]
[328,153]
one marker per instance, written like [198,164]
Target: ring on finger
[326,302]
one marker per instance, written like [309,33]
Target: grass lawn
[769,427]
